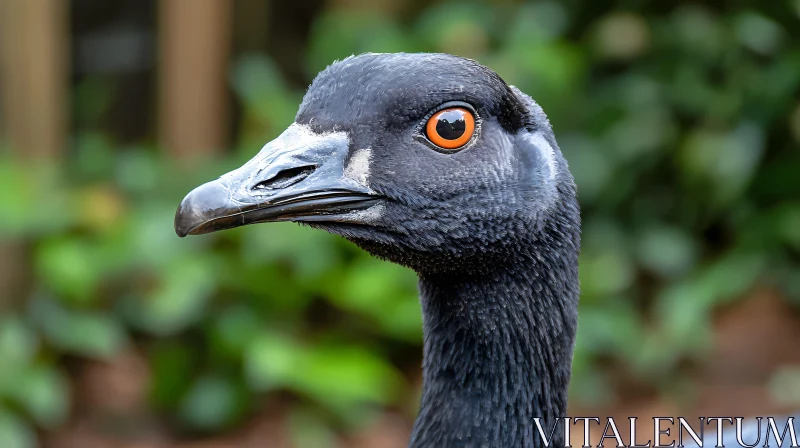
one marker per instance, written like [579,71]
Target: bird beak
[299,176]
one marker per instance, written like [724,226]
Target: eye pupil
[451,124]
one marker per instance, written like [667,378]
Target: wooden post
[34,78]
[34,75]
[194,44]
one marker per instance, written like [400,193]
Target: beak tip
[182,228]
[181,232]
[194,209]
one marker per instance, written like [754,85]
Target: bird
[433,162]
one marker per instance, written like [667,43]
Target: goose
[433,162]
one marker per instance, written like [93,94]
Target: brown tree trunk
[34,76]
[194,46]
[34,80]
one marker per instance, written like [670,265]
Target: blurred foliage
[681,125]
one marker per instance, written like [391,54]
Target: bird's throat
[497,354]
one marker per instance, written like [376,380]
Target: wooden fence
[194,38]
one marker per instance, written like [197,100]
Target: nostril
[285,178]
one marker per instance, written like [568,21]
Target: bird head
[428,160]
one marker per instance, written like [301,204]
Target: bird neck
[497,352]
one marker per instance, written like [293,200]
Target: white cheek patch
[358,167]
[546,151]
[367,216]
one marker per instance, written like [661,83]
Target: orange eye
[451,128]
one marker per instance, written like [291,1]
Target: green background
[680,122]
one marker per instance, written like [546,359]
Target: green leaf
[88,333]
[402,319]
[15,433]
[371,284]
[758,33]
[151,240]
[173,366]
[94,155]
[459,28]
[69,268]
[697,30]
[269,104]
[18,342]
[537,21]
[641,134]
[271,361]
[591,167]
[346,375]
[212,402]
[683,310]
[621,35]
[44,393]
[179,299]
[356,31]
[234,329]
[137,171]
[32,198]
[605,273]
[383,291]
[610,328]
[668,251]
[308,251]
[339,376]
[725,161]
[731,276]
[787,222]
